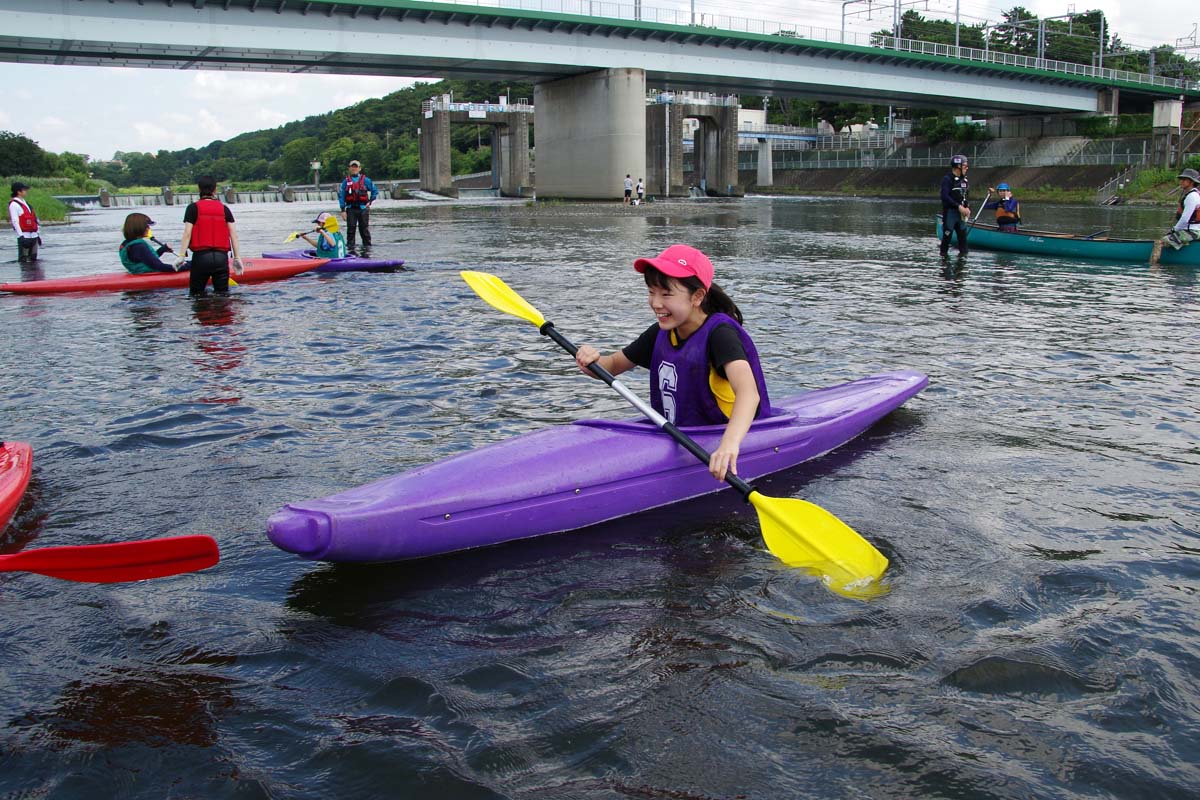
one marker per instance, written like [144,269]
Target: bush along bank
[40,199]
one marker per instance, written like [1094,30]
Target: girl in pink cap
[704,368]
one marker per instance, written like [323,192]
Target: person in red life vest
[25,223]
[355,195]
[704,368]
[209,231]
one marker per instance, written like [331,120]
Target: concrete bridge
[590,72]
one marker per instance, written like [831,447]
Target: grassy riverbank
[40,198]
[1062,184]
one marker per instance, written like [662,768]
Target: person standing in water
[210,233]
[955,211]
[25,223]
[355,195]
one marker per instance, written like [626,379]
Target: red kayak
[258,270]
[16,465]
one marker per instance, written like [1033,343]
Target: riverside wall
[906,181]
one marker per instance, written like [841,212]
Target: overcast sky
[98,111]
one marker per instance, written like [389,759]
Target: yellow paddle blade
[291,236]
[805,535]
[498,295]
[232,282]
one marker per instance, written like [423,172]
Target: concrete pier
[510,143]
[591,133]
[715,144]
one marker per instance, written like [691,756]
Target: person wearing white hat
[1187,227]
[329,243]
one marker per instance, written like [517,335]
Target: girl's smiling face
[676,308]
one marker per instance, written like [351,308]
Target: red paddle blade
[116,563]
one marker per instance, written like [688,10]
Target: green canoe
[1067,245]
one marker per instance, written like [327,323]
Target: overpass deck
[538,40]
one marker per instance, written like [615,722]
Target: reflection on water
[1037,503]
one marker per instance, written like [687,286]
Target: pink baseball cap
[680,261]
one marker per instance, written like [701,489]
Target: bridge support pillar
[664,150]
[1165,122]
[510,155]
[766,164]
[435,154]
[714,155]
[591,133]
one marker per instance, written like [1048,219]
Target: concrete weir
[591,133]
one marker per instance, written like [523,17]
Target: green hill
[380,132]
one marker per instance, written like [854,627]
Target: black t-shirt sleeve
[228,214]
[641,350]
[724,346]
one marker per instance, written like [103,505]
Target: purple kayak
[568,477]
[347,264]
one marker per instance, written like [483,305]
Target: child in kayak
[137,253]
[330,243]
[704,368]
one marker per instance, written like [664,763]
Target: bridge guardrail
[715,23]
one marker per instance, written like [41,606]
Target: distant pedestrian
[1008,210]
[355,195]
[628,189]
[641,190]
[209,231]
[25,223]
[955,211]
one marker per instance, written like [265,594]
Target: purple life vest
[679,388]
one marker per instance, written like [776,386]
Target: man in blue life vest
[355,195]
[1187,228]
[955,210]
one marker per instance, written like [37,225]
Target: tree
[295,157]
[20,155]
[1017,34]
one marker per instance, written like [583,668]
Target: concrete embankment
[909,181]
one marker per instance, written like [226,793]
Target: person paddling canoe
[1187,227]
[704,368]
[1008,209]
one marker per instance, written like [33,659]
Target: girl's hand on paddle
[723,460]
[585,355]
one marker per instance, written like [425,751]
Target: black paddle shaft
[691,445]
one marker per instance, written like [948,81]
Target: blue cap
[1002,187]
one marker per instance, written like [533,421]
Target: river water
[1038,502]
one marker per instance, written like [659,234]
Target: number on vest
[668,380]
